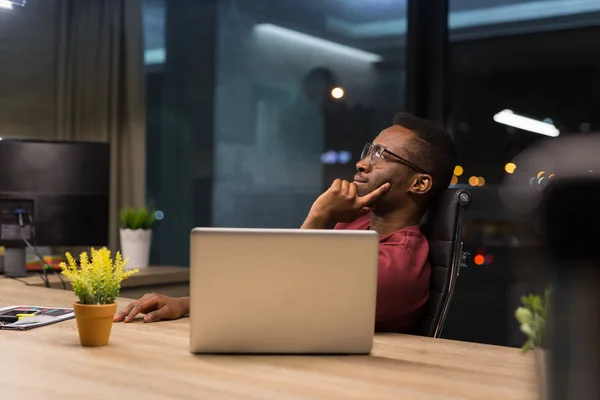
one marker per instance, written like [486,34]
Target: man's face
[370,177]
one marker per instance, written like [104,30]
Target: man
[406,167]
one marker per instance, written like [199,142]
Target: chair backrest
[442,225]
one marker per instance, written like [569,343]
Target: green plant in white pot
[136,235]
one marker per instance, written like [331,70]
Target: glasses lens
[365,151]
[376,154]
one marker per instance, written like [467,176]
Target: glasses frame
[373,149]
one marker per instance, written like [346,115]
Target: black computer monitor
[53,194]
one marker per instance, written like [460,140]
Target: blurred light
[540,174]
[308,40]
[480,181]
[489,258]
[510,168]
[344,157]
[337,93]
[507,117]
[6,4]
[454,180]
[458,170]
[473,181]
[589,170]
[159,215]
[531,181]
[329,157]
[155,56]
[585,127]
[479,259]
[551,176]
[541,180]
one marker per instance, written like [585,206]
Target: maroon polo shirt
[403,277]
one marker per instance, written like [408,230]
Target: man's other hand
[341,203]
[156,307]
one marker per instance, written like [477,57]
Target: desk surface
[152,361]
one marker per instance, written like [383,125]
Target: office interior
[240,113]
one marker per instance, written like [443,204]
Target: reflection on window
[296,97]
[154,31]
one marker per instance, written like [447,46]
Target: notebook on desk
[282,291]
[21,318]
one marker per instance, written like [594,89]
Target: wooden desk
[152,361]
[170,281]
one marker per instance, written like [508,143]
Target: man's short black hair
[434,151]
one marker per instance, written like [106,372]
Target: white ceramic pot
[135,246]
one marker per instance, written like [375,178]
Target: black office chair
[442,225]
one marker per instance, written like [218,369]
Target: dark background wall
[28,60]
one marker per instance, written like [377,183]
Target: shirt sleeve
[397,282]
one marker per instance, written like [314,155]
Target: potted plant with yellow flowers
[97,283]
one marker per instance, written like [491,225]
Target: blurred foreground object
[556,186]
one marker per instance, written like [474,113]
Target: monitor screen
[61,187]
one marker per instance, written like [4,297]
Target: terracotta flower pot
[94,322]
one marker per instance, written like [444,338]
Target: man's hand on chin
[341,203]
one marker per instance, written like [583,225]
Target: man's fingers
[337,184]
[157,315]
[368,199]
[121,314]
[142,306]
[345,187]
[353,189]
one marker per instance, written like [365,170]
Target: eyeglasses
[376,151]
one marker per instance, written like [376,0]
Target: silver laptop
[282,291]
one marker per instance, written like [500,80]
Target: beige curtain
[101,91]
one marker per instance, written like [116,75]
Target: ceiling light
[507,117]
[337,93]
[9,4]
[289,35]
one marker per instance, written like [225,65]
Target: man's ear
[421,184]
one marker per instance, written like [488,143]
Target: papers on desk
[28,317]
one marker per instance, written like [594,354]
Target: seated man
[406,167]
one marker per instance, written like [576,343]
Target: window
[534,59]
[298,88]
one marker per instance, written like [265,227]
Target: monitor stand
[15,262]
